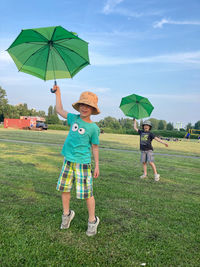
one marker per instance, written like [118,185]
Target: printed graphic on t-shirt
[75,128]
[144,139]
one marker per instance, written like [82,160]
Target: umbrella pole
[52,90]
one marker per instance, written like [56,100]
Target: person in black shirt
[146,137]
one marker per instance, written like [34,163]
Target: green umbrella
[136,106]
[49,53]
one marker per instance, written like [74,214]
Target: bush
[58,127]
[111,130]
[165,133]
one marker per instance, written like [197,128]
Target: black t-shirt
[145,140]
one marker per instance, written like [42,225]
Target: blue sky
[147,47]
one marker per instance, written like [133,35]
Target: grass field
[130,142]
[141,221]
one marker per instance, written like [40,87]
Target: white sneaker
[92,227]
[66,220]
[157,177]
[143,176]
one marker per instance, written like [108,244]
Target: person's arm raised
[135,125]
[59,107]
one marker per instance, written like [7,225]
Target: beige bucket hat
[89,99]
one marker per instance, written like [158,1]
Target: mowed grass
[141,221]
[116,141]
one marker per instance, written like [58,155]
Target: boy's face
[85,110]
[146,128]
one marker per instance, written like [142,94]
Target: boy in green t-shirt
[83,135]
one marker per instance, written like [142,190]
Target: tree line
[118,125]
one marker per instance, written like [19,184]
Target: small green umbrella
[49,53]
[136,106]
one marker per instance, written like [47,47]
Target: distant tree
[141,122]
[53,119]
[161,125]
[22,110]
[182,130]
[109,122]
[129,124]
[3,99]
[50,111]
[25,106]
[189,126]
[11,112]
[170,126]
[3,103]
[197,125]
[154,123]
[54,110]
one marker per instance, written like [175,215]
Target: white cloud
[159,24]
[110,6]
[187,58]
[4,57]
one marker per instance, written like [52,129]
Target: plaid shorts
[147,156]
[81,174]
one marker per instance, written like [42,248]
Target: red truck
[26,122]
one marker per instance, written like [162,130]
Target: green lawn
[130,142]
[141,221]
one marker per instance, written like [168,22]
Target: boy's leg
[65,183]
[156,175]
[65,202]
[144,175]
[68,214]
[91,208]
[93,221]
[153,166]
[145,168]
[143,160]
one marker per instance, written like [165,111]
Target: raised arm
[135,125]
[59,106]
[160,141]
[95,151]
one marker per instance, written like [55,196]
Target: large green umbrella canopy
[49,53]
[136,106]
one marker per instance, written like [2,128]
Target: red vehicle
[26,122]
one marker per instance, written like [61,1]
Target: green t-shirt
[77,146]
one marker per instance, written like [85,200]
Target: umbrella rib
[62,60]
[31,56]
[72,51]
[53,34]
[79,68]
[47,64]
[48,59]
[46,40]
[35,43]
[64,39]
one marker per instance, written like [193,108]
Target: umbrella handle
[52,90]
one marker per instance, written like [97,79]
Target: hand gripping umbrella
[49,53]
[136,106]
